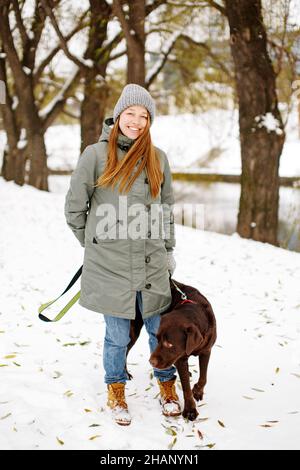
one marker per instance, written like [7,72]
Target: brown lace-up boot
[116,401]
[169,399]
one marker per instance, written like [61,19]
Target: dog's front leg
[190,410]
[199,386]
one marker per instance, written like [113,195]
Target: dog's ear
[194,338]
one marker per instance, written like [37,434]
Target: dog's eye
[166,344]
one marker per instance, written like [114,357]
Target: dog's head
[175,340]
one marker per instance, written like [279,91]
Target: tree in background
[25,118]
[261,127]
[98,54]
[132,19]
[257,61]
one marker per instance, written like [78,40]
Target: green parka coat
[114,269]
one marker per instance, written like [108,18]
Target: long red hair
[142,149]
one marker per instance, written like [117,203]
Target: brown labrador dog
[187,327]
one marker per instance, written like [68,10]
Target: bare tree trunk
[92,112]
[133,28]
[136,70]
[9,164]
[95,88]
[29,121]
[261,128]
[38,172]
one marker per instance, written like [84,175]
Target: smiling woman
[126,276]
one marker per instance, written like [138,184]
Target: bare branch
[166,54]
[217,6]
[38,24]
[69,114]
[20,24]
[106,50]
[54,51]
[156,4]
[194,43]
[116,56]
[54,108]
[9,46]
[62,40]
[160,30]
[203,45]
[118,10]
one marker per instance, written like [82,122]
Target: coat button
[146,181]
[148,286]
[147,259]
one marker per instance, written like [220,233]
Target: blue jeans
[116,341]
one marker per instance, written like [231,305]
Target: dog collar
[185,301]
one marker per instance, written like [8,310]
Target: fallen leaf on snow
[210,446]
[56,374]
[170,446]
[169,430]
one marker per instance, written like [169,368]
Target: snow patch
[270,122]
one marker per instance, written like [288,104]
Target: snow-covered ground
[52,394]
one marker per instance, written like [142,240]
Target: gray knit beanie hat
[131,95]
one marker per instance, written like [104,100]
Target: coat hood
[124,142]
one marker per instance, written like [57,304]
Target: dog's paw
[190,414]
[197,393]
